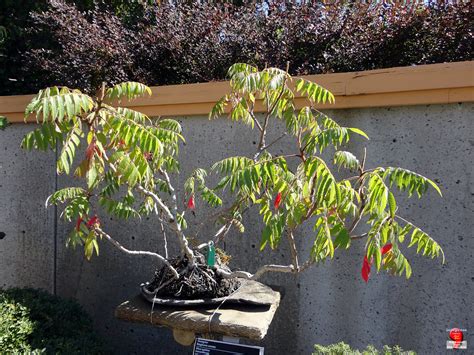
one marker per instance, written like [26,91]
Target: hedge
[344,349]
[33,321]
[82,43]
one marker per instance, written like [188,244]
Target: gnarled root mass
[194,282]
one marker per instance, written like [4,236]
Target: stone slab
[236,320]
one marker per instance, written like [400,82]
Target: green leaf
[130,114]
[358,131]
[90,245]
[68,150]
[314,92]
[323,246]
[54,104]
[392,204]
[346,160]
[129,90]
[409,181]
[92,176]
[342,239]
[65,194]
[377,194]
[121,209]
[136,134]
[378,257]
[219,108]
[425,244]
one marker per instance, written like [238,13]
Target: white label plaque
[215,347]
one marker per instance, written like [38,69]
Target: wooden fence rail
[401,86]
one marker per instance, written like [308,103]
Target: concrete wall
[330,303]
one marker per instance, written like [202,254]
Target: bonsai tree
[130,161]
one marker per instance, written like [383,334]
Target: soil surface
[194,283]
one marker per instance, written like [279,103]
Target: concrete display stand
[209,321]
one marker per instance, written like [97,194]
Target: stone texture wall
[330,303]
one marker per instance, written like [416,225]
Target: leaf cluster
[124,159]
[309,192]
[112,149]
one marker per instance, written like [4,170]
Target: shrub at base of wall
[344,349]
[33,321]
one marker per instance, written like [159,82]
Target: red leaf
[191,204]
[386,248]
[277,201]
[93,221]
[78,223]
[90,150]
[365,272]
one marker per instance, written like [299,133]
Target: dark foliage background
[84,42]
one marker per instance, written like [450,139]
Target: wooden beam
[401,86]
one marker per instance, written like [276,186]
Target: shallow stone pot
[250,292]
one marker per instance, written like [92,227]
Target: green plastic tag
[211,254]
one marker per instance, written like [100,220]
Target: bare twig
[359,236]
[222,232]
[364,159]
[259,126]
[163,232]
[100,232]
[246,275]
[293,250]
[173,222]
[262,149]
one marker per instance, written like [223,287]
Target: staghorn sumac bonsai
[130,159]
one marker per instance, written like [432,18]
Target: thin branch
[246,275]
[403,219]
[163,232]
[173,222]
[307,264]
[293,250]
[174,199]
[261,150]
[300,147]
[270,109]
[259,126]
[363,160]
[136,252]
[275,141]
[222,232]
[211,218]
[359,236]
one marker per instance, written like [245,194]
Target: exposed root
[196,280]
